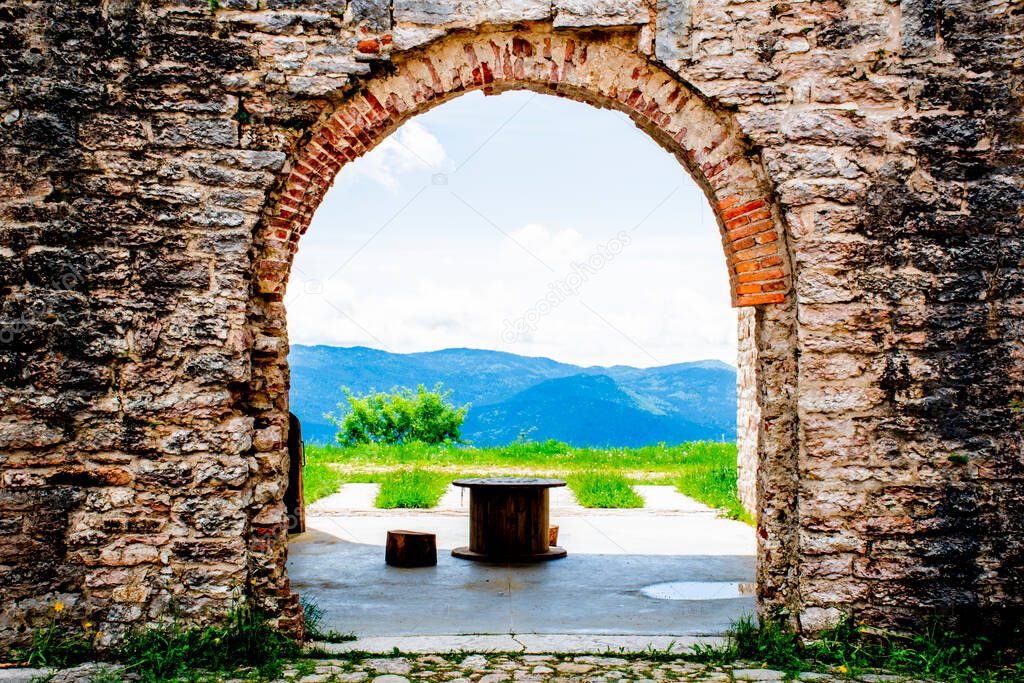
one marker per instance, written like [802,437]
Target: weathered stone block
[188,132]
[584,13]
[469,12]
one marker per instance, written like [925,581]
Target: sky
[523,223]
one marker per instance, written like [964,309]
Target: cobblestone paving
[492,668]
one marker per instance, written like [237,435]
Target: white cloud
[411,148]
[649,305]
[555,248]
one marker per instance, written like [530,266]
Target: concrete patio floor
[603,588]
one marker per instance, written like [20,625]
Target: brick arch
[601,72]
[598,68]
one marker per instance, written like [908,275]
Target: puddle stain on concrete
[698,590]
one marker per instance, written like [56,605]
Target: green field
[702,470]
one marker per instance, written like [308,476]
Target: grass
[314,624]
[245,645]
[709,475]
[244,639]
[552,455]
[851,650]
[702,470]
[415,488]
[56,646]
[604,490]
[320,480]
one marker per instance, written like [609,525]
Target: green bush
[402,416]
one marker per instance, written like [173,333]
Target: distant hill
[540,398]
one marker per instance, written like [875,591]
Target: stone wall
[160,161]
[748,412]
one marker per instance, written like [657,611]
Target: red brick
[731,200]
[747,230]
[375,104]
[742,209]
[745,266]
[761,275]
[756,252]
[759,215]
[731,225]
[757,299]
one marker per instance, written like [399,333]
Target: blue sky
[524,223]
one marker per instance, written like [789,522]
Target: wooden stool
[411,549]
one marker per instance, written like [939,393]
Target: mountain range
[514,396]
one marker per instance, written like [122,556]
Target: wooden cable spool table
[509,520]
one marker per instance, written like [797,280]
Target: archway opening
[559,273]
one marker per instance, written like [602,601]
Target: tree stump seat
[411,549]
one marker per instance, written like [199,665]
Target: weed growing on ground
[245,639]
[553,455]
[849,649]
[107,676]
[314,624]
[604,490]
[56,644]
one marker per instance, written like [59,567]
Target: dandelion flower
[58,606]
[841,669]
[87,625]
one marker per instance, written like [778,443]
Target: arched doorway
[604,71]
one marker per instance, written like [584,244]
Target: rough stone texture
[497,668]
[160,162]
[748,412]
